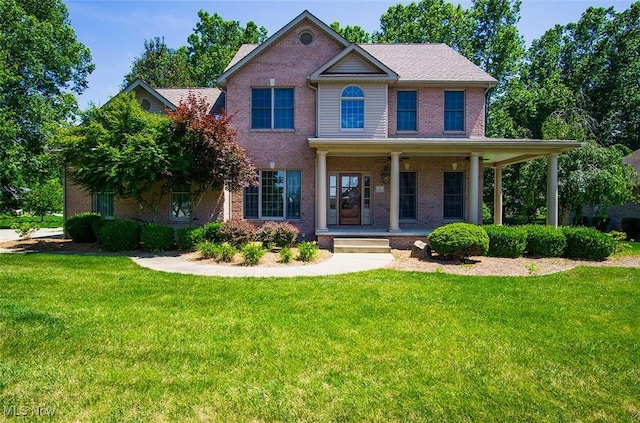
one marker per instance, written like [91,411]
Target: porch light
[454,165]
[386,175]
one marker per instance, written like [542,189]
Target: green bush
[587,243]
[156,237]
[506,241]
[80,226]
[545,241]
[631,226]
[307,250]
[188,238]
[226,252]
[279,234]
[119,235]
[208,249]
[252,254]
[211,231]
[459,240]
[285,255]
[25,230]
[617,235]
[237,232]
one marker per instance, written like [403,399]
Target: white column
[552,190]
[474,181]
[497,195]
[321,201]
[394,193]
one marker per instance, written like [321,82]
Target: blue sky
[115,30]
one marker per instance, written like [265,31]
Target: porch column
[474,181]
[552,190]
[321,201]
[497,195]
[394,193]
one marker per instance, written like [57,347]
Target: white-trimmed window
[278,196]
[102,202]
[272,108]
[352,108]
[453,196]
[408,196]
[454,111]
[181,203]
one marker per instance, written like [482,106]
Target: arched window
[352,114]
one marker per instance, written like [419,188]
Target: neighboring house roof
[408,63]
[634,160]
[171,97]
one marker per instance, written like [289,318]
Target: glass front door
[350,198]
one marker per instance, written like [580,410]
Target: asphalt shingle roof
[174,95]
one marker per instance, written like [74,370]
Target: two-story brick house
[369,140]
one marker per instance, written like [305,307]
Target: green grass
[49,221]
[631,248]
[97,338]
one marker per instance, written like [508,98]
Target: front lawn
[95,338]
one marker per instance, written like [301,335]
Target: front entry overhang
[496,152]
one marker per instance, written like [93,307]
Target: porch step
[361,245]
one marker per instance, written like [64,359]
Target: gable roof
[245,54]
[433,63]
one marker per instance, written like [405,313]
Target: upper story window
[352,108]
[407,111]
[454,110]
[272,108]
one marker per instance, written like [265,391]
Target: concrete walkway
[11,235]
[338,264]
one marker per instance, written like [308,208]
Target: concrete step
[361,245]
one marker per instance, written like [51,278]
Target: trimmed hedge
[188,238]
[156,237]
[211,231]
[506,241]
[119,235]
[587,243]
[545,241]
[459,240]
[80,227]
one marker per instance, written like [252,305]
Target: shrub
[280,234]
[506,241]
[119,235]
[631,226]
[237,232]
[226,252]
[211,231]
[188,238]
[156,237]
[587,243]
[252,254]
[459,240]
[207,249]
[545,241]
[25,229]
[285,255]
[307,250]
[617,235]
[487,217]
[80,226]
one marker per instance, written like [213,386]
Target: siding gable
[353,64]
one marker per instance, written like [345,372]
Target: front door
[350,198]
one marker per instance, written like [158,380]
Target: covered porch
[477,154]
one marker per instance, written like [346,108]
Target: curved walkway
[338,264]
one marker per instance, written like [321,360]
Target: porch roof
[494,151]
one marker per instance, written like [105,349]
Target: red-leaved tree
[207,155]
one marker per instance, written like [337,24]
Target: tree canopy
[161,66]
[42,66]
